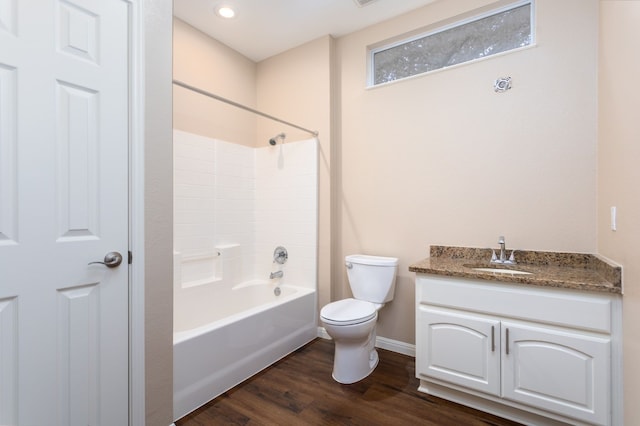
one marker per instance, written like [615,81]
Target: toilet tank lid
[363,259]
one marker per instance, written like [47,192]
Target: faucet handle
[280,255]
[512,258]
[494,257]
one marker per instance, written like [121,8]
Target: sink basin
[502,271]
[497,269]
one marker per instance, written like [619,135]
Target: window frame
[400,40]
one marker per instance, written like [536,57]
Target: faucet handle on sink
[494,256]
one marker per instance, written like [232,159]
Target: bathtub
[223,336]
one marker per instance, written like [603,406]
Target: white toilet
[351,323]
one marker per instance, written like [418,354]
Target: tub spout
[277,274]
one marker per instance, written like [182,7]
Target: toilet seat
[348,312]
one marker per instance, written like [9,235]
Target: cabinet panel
[458,348]
[565,308]
[560,371]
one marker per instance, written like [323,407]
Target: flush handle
[349,265]
[111,260]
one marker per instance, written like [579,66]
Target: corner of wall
[296,85]
[158,221]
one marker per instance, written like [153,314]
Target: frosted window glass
[486,36]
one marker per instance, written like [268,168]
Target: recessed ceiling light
[225,12]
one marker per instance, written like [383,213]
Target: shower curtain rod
[244,107]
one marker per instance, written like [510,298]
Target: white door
[63,203]
[561,371]
[458,348]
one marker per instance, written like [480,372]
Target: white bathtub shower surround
[239,301]
[234,218]
[222,264]
[286,205]
[214,191]
[243,330]
[233,206]
[256,198]
[194,194]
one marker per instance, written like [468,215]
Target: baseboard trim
[382,343]
[396,346]
[322,333]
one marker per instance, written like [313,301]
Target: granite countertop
[548,269]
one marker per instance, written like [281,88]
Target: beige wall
[296,86]
[619,174]
[158,217]
[443,159]
[209,65]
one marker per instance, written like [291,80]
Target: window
[495,32]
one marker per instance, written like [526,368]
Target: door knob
[111,259]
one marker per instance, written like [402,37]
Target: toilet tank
[372,278]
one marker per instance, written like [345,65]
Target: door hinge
[130,260]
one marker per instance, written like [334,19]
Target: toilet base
[348,373]
[355,355]
[355,358]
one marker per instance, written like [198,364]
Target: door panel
[63,203]
[77,162]
[459,348]
[8,16]
[8,190]
[8,360]
[559,371]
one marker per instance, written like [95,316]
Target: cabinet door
[458,348]
[560,371]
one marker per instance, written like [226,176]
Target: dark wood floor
[299,390]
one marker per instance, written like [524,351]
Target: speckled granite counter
[548,269]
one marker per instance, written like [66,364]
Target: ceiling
[263,28]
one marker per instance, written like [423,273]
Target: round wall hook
[502,84]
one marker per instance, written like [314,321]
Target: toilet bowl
[351,322]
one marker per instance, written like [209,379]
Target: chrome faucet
[503,254]
[277,274]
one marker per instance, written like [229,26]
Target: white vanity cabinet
[528,353]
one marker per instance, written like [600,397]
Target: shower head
[274,140]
